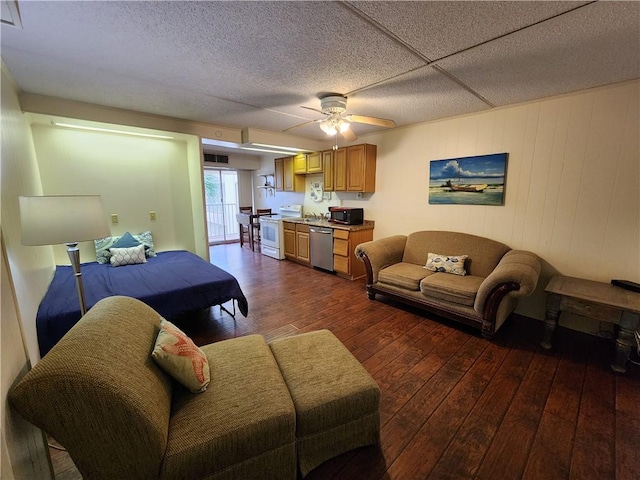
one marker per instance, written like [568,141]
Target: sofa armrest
[378,254]
[515,275]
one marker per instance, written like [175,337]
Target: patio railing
[222,222]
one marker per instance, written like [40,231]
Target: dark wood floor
[454,405]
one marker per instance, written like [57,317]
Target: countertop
[317,222]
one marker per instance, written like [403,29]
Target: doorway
[221,200]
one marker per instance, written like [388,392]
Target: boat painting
[477,180]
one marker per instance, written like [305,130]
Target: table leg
[552,313]
[629,322]
[241,235]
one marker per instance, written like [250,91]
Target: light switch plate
[114,218]
[152,215]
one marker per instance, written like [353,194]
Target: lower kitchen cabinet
[345,262]
[296,242]
[303,250]
[289,240]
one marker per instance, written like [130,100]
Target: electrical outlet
[114,218]
[152,215]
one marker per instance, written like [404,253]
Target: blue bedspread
[172,283]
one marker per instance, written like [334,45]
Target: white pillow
[127,256]
[446,263]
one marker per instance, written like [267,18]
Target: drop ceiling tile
[437,29]
[593,46]
[421,96]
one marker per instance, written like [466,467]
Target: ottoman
[335,398]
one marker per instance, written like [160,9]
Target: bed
[172,283]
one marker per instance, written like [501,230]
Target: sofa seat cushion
[451,288]
[246,416]
[404,275]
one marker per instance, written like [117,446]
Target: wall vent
[210,157]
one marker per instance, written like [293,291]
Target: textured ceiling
[253,64]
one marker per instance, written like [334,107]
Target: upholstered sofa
[101,395]
[495,276]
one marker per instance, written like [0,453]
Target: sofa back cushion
[101,395]
[483,253]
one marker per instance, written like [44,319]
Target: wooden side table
[597,300]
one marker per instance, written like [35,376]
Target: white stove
[272,230]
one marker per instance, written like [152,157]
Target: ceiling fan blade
[348,135]
[379,122]
[301,125]
[314,109]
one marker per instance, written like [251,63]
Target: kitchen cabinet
[361,168]
[279,174]
[291,181]
[314,162]
[303,250]
[300,164]
[289,240]
[345,262]
[296,242]
[340,170]
[328,177]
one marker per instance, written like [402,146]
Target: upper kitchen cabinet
[309,163]
[328,177]
[340,170]
[279,174]
[314,162]
[354,169]
[285,176]
[361,168]
[300,164]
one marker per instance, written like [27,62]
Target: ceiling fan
[333,107]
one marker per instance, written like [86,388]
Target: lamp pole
[74,257]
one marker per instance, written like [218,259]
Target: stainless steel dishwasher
[321,245]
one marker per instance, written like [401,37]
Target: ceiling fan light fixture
[334,124]
[328,127]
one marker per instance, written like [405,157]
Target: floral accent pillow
[446,263]
[104,244]
[177,355]
[127,256]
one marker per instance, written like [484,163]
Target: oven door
[270,232]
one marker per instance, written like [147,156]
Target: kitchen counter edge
[367,225]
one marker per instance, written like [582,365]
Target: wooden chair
[255,223]
[245,227]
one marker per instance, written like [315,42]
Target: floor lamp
[68,219]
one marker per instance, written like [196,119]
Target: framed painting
[478,180]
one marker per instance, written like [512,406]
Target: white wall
[134,176]
[23,449]
[572,191]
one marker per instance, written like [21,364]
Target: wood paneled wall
[572,191]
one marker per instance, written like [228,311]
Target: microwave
[346,215]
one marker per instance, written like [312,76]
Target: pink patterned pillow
[177,355]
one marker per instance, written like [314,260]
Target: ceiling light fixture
[334,124]
[269,150]
[279,147]
[108,130]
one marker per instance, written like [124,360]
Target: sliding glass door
[221,198]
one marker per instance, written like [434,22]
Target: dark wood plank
[594,446]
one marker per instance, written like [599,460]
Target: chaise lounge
[265,411]
[463,277]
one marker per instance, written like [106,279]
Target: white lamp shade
[50,220]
